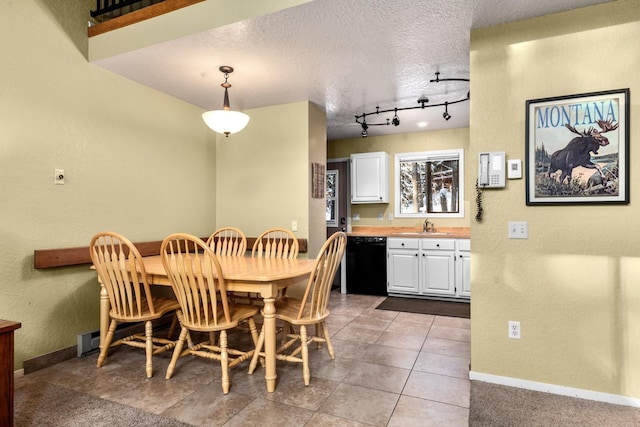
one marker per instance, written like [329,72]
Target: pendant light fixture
[225,121]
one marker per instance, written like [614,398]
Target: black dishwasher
[367,265]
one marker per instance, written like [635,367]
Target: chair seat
[288,311]
[239,313]
[161,305]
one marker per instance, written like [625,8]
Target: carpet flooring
[493,405]
[43,404]
[426,306]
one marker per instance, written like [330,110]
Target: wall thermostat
[514,169]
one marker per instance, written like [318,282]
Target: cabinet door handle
[438,245]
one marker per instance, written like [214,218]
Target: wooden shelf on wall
[66,257]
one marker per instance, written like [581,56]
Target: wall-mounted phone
[491,169]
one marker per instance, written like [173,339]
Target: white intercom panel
[491,169]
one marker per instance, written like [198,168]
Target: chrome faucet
[425,226]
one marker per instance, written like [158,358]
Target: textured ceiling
[346,56]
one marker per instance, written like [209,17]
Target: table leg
[269,323]
[104,314]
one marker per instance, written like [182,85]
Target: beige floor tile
[364,335]
[391,356]
[409,328]
[447,347]
[261,412]
[365,405]
[443,365]
[449,333]
[326,420]
[398,340]
[368,322]
[292,391]
[441,388]
[380,314]
[414,412]
[346,349]
[205,408]
[452,322]
[422,319]
[385,378]
[336,322]
[322,366]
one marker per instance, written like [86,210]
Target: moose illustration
[577,152]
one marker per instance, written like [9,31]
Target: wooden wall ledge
[49,258]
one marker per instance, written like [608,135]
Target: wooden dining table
[265,276]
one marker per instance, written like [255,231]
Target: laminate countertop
[412,232]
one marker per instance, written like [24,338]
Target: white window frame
[335,198]
[426,156]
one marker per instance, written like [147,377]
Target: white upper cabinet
[370,177]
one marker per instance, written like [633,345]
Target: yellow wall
[263,176]
[406,143]
[573,284]
[317,154]
[129,155]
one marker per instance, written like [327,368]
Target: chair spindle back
[196,279]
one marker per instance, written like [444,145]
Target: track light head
[396,120]
[446,114]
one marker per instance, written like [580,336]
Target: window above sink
[429,184]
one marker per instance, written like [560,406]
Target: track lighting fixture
[423,101]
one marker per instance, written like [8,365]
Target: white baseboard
[18,373]
[556,389]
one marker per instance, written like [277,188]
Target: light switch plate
[518,230]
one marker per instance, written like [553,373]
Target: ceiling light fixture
[225,121]
[423,101]
[446,114]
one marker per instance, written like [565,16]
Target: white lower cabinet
[403,268]
[437,267]
[429,267]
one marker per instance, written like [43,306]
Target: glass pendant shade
[225,121]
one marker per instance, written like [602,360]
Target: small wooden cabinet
[6,371]
[370,177]
[431,267]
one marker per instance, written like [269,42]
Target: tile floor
[391,369]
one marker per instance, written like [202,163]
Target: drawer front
[403,243]
[438,244]
[464,244]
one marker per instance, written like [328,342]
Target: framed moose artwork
[577,149]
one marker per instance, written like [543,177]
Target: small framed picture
[577,149]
